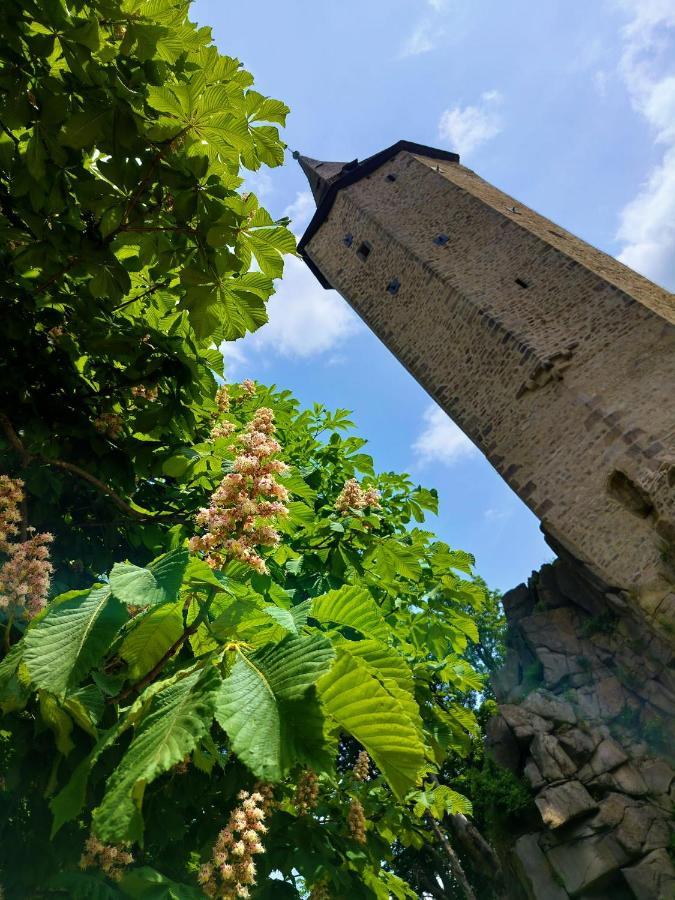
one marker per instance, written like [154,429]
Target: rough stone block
[587,863]
[562,803]
[578,743]
[658,775]
[502,744]
[653,878]
[552,761]
[523,723]
[535,873]
[548,706]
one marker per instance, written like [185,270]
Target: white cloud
[466,128]
[438,5]
[497,515]
[441,440]
[304,321]
[647,223]
[301,210]
[422,39]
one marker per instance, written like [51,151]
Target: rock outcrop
[587,717]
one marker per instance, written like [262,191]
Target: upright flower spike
[231,869]
[361,769]
[356,821]
[307,792]
[108,858]
[353,496]
[26,573]
[239,518]
[248,386]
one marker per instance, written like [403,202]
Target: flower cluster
[223,399]
[266,791]
[307,792]
[235,520]
[11,497]
[142,392]
[361,769]
[248,387]
[232,868]
[320,891]
[57,332]
[26,573]
[111,860]
[353,496]
[222,430]
[356,821]
[109,424]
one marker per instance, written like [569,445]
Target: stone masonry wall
[587,717]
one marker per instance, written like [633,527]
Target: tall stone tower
[559,363]
[554,358]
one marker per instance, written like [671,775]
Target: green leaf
[58,721]
[145,645]
[357,700]
[181,714]
[251,702]
[143,881]
[71,639]
[84,129]
[354,606]
[158,583]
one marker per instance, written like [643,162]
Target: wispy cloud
[426,30]
[465,128]
[300,211]
[441,440]
[647,223]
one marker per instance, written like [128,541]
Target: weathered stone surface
[552,761]
[658,775]
[635,827]
[524,723]
[550,707]
[579,743]
[502,743]
[533,775]
[556,630]
[535,873]
[611,696]
[586,863]
[608,755]
[653,878]
[611,811]
[562,803]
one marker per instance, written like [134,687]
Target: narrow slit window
[348,240]
[441,240]
[521,283]
[393,286]
[364,251]
[391,177]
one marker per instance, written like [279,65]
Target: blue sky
[570,107]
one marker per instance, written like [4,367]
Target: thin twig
[455,864]
[100,486]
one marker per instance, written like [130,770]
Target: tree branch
[100,486]
[455,865]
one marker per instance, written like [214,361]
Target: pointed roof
[327,178]
[321,175]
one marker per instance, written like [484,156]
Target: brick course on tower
[554,358]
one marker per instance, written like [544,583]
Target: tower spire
[321,175]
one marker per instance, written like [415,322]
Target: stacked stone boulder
[587,713]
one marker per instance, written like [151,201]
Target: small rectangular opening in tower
[348,240]
[391,177]
[441,240]
[393,286]
[364,251]
[521,283]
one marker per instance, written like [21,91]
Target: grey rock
[502,744]
[653,878]
[552,761]
[658,775]
[524,723]
[533,775]
[548,706]
[561,803]
[583,864]
[534,871]
[579,743]
[611,696]
[607,756]
[635,827]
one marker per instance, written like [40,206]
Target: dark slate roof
[327,178]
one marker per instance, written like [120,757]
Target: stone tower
[555,359]
[559,363]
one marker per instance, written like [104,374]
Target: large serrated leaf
[359,702]
[158,583]
[71,639]
[145,645]
[353,606]
[181,714]
[251,703]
